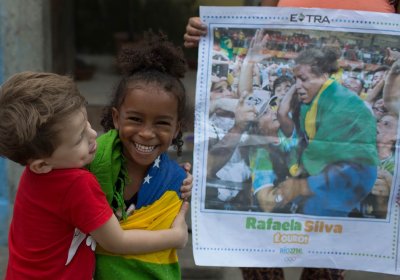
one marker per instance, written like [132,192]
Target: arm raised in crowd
[391,90]
[254,55]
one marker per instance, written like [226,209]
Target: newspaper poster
[296,128]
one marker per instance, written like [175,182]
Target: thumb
[184,209]
[243,96]
[187,166]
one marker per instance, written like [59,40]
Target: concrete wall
[26,35]
[24,45]
[4,192]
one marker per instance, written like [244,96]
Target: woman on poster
[339,162]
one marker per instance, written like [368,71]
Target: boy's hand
[187,185]
[180,227]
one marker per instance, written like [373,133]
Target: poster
[295,157]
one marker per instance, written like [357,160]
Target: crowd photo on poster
[287,139]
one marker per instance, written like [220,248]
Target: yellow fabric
[312,113]
[338,76]
[294,169]
[159,215]
[363,95]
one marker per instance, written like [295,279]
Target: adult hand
[383,183]
[180,226]
[187,185]
[291,188]
[244,113]
[255,53]
[194,30]
[391,56]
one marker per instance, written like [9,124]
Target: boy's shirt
[49,210]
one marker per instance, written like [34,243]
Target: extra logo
[309,18]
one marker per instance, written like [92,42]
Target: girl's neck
[136,175]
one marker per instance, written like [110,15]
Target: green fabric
[345,131]
[388,164]
[108,167]
[114,267]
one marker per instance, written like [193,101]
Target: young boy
[60,209]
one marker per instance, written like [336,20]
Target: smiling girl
[142,184]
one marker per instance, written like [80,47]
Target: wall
[24,45]
[4,192]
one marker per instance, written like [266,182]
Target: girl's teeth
[143,148]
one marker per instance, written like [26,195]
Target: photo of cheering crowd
[302,121]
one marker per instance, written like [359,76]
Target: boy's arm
[116,240]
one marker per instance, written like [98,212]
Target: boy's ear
[115,116]
[40,166]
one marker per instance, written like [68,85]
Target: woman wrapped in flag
[141,183]
[340,159]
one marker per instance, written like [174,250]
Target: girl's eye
[135,119]
[164,123]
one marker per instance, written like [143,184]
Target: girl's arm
[116,240]
[187,185]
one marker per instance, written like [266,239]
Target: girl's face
[147,122]
[307,83]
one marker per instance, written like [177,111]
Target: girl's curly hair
[156,61]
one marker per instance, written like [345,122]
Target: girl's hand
[187,185]
[180,227]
